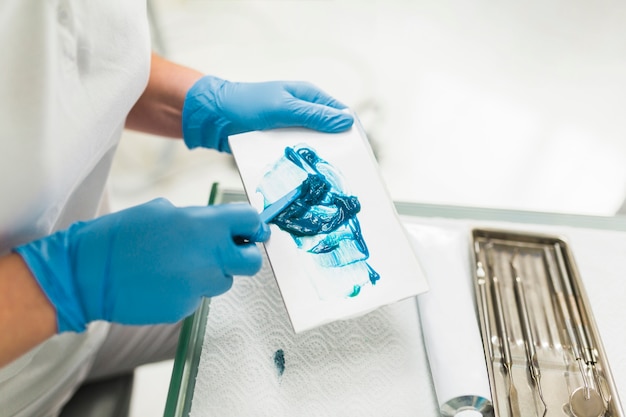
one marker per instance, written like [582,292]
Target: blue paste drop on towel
[279,361]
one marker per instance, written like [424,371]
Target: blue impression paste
[279,361]
[322,220]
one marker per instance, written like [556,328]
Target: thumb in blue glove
[144,265]
[215,109]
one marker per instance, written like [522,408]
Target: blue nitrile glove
[144,265]
[215,109]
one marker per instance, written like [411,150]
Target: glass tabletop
[182,383]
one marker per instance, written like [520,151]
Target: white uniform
[70,70]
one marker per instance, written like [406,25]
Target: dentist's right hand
[144,265]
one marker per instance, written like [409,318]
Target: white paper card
[338,250]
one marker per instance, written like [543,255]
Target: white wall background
[512,105]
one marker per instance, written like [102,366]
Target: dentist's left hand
[215,109]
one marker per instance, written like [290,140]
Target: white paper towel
[448,316]
[374,365]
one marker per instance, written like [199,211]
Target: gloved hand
[144,265]
[215,109]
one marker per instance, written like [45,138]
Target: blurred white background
[511,104]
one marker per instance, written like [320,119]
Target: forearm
[158,110]
[26,316]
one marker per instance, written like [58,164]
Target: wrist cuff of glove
[203,126]
[51,269]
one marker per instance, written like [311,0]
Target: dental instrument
[585,401]
[529,340]
[507,360]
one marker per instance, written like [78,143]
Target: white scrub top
[70,71]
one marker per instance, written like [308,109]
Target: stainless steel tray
[542,346]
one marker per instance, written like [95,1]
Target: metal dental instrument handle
[573,308]
[569,327]
[567,321]
[481,274]
[588,347]
[529,340]
[584,399]
[507,360]
[567,303]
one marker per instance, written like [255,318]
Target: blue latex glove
[148,264]
[215,109]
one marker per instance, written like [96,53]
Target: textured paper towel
[373,365]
